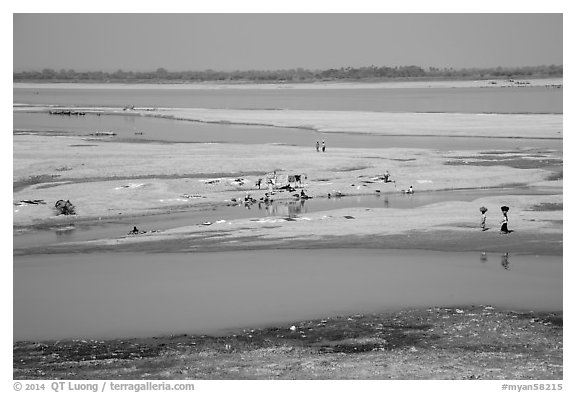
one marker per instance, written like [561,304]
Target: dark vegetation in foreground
[298,75]
[473,342]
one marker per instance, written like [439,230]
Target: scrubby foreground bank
[473,342]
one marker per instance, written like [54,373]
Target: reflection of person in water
[483,257]
[505,261]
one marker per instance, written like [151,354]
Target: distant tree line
[371,73]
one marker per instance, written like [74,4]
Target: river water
[106,295]
[131,128]
[454,100]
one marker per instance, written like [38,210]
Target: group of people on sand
[266,199]
[323,146]
[503,223]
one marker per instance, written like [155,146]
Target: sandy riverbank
[382,123]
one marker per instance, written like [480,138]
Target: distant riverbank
[395,83]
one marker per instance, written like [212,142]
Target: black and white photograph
[287,196]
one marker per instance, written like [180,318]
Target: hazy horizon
[242,42]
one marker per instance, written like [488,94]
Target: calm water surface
[155,129]
[127,295]
[457,100]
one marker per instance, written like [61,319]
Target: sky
[227,42]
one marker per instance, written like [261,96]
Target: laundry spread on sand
[193,196]
[25,202]
[269,220]
[130,185]
[211,181]
[65,207]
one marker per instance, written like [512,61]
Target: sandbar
[106,179]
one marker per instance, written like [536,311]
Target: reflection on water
[66,230]
[288,209]
[505,261]
[126,295]
[296,208]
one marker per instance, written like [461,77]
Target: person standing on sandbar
[504,228]
[483,210]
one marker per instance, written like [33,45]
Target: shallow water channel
[70,232]
[105,295]
[130,128]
